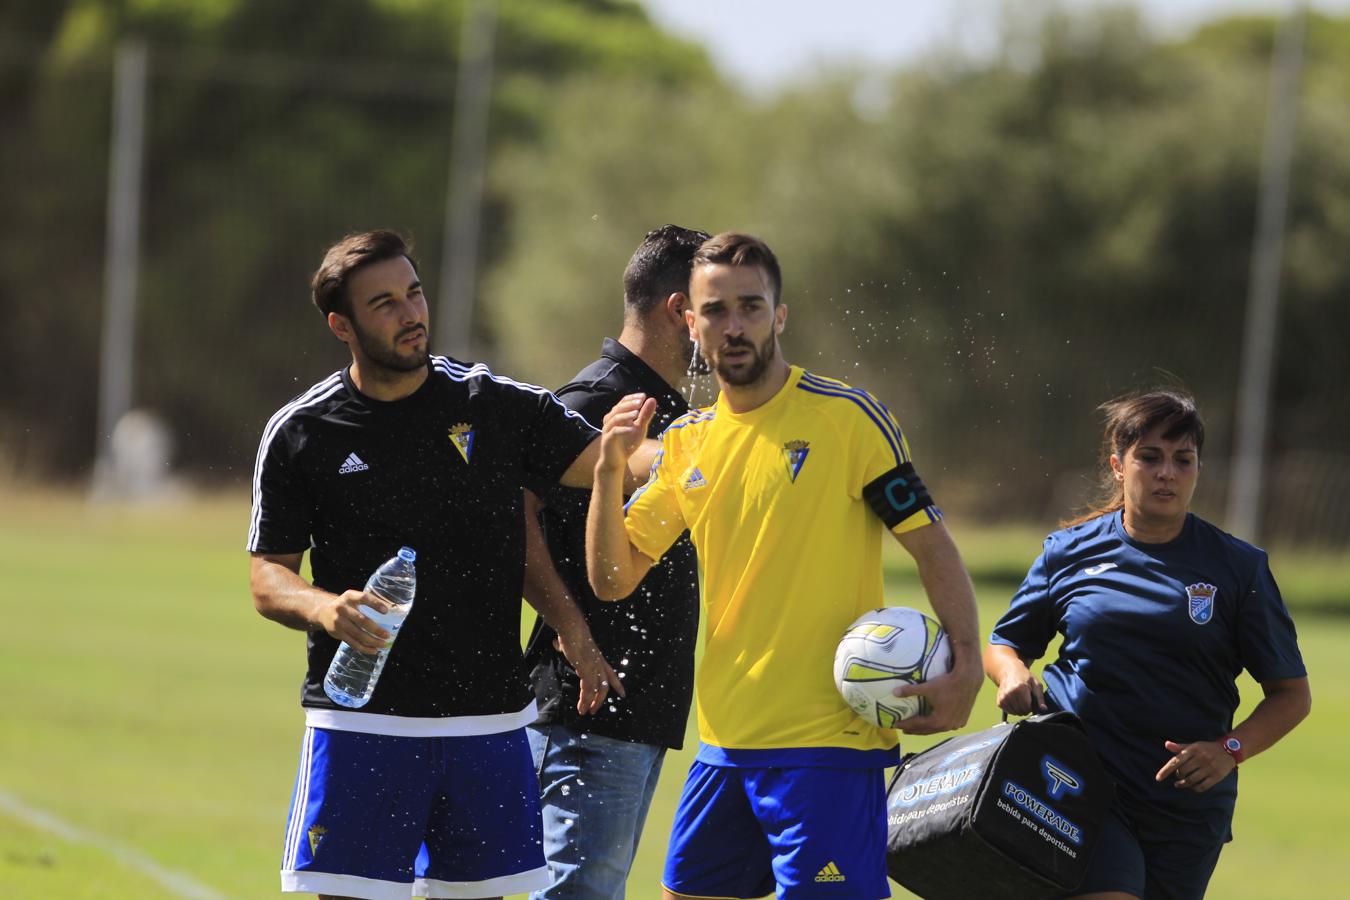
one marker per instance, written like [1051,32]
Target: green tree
[273,128]
[994,246]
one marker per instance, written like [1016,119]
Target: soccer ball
[882,650]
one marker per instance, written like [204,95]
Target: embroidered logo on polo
[352,464]
[694,479]
[794,454]
[315,838]
[461,436]
[1099,569]
[1200,602]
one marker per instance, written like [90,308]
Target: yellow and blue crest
[1200,602]
[794,454]
[461,436]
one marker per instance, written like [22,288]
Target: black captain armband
[897,495]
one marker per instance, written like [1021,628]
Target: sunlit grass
[150,704]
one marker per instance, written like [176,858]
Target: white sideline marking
[177,882]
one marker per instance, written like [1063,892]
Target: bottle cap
[407,554]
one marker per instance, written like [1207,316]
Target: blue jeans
[596,792]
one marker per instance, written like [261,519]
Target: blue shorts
[377,816]
[812,832]
[1149,862]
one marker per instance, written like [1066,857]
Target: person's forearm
[1002,661]
[545,591]
[611,566]
[581,473]
[1285,705]
[951,696]
[640,465]
[280,594]
[550,598]
[544,588]
[1019,692]
[952,597]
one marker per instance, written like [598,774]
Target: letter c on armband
[897,495]
[910,498]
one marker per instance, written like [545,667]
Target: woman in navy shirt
[1160,612]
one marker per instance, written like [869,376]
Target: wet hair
[1127,420]
[660,267]
[732,248]
[328,287]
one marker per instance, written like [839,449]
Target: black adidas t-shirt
[440,471]
[648,637]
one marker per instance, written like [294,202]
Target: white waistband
[410,726]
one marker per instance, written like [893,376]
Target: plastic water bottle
[352,674]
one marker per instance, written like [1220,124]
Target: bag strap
[1059,717]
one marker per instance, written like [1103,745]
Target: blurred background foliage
[993,245]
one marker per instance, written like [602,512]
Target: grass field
[153,717]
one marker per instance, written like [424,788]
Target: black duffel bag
[1012,812]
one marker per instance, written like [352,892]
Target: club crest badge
[794,454]
[1200,602]
[461,436]
[315,838]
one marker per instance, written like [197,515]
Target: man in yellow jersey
[786,485]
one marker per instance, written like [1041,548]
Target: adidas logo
[830,873]
[352,464]
[695,480]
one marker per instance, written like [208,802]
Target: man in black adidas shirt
[428,789]
[597,773]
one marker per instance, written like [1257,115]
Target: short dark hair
[732,248]
[328,287]
[660,267]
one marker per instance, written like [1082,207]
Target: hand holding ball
[884,649]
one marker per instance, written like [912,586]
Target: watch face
[1232,744]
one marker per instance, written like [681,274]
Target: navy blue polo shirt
[1155,636]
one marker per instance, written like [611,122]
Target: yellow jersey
[790,553]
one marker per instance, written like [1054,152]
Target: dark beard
[388,357]
[759,364]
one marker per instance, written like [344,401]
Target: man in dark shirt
[429,789]
[597,773]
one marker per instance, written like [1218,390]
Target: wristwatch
[1233,747]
